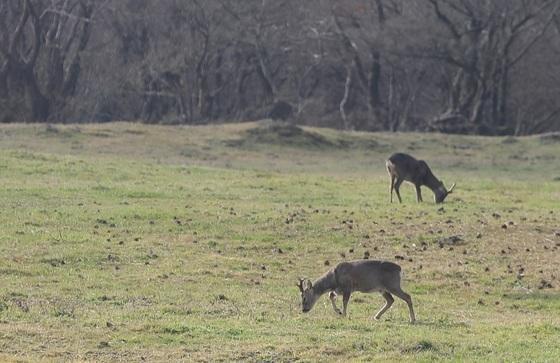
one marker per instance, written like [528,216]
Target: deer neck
[324,283]
[434,184]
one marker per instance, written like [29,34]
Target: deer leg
[406,297]
[345,299]
[397,186]
[418,194]
[389,301]
[392,186]
[332,297]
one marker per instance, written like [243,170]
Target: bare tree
[472,66]
[20,48]
[42,53]
[486,40]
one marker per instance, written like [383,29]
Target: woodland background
[463,66]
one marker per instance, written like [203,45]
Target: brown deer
[359,275]
[403,167]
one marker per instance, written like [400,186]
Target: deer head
[441,193]
[308,296]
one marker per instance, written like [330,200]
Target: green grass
[122,241]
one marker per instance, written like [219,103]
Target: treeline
[464,66]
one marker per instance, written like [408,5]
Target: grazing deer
[358,275]
[403,167]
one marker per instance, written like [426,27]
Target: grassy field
[125,242]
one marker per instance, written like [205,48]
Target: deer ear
[309,284]
[451,189]
[300,285]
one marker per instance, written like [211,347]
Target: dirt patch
[509,140]
[51,130]
[450,241]
[550,138]
[361,144]
[100,134]
[287,134]
[421,346]
[279,133]
[134,132]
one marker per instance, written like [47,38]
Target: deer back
[404,166]
[366,275]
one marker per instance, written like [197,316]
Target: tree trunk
[4,79]
[40,105]
[265,76]
[342,106]
[374,90]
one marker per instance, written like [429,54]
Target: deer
[403,167]
[359,275]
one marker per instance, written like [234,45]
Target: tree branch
[445,19]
